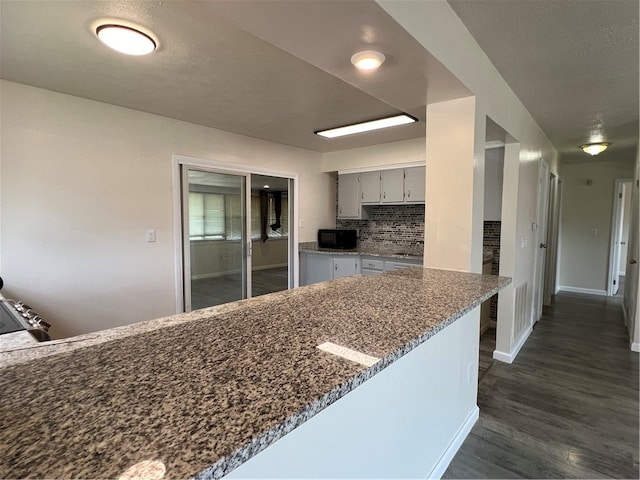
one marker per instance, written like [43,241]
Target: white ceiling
[279,70]
[572,63]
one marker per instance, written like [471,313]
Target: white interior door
[541,238]
[624,227]
[615,254]
[552,244]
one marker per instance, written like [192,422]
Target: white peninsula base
[406,422]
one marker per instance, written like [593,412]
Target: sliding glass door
[215,238]
[270,234]
[237,237]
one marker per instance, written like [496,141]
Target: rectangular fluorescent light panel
[367,126]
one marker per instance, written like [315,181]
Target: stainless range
[17,317]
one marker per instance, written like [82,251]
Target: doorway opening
[551,266]
[235,233]
[618,252]
[492,231]
[269,234]
[541,228]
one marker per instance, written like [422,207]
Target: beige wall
[82,181]
[587,204]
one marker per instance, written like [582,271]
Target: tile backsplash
[491,241]
[393,228]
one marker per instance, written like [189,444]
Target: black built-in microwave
[337,238]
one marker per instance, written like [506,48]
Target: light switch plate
[151,235]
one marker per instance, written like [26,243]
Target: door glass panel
[270,239]
[215,234]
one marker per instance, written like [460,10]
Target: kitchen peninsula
[245,385]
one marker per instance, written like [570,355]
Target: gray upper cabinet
[356,191]
[349,196]
[370,187]
[414,184]
[393,185]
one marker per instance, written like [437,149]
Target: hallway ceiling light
[127,40]
[367,60]
[367,126]
[595,148]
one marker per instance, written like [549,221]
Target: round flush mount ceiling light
[125,39]
[367,60]
[595,148]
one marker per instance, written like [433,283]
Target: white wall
[493,176]
[584,261]
[435,25]
[83,180]
[394,153]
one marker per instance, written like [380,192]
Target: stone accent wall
[491,241]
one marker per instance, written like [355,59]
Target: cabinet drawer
[367,271]
[391,266]
[372,264]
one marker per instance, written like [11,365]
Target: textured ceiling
[279,70]
[211,70]
[572,63]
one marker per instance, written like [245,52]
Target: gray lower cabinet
[345,266]
[371,266]
[320,267]
[377,265]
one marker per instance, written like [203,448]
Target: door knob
[543,245]
[633,261]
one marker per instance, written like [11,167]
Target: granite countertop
[373,252]
[205,391]
[487,254]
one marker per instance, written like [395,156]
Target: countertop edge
[234,460]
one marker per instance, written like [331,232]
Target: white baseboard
[635,347]
[590,291]
[455,444]
[510,357]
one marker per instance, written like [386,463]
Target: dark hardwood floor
[207,292]
[487,346]
[568,405]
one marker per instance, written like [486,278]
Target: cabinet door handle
[409,194]
[384,195]
[362,196]
[336,266]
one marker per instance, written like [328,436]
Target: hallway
[567,407]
